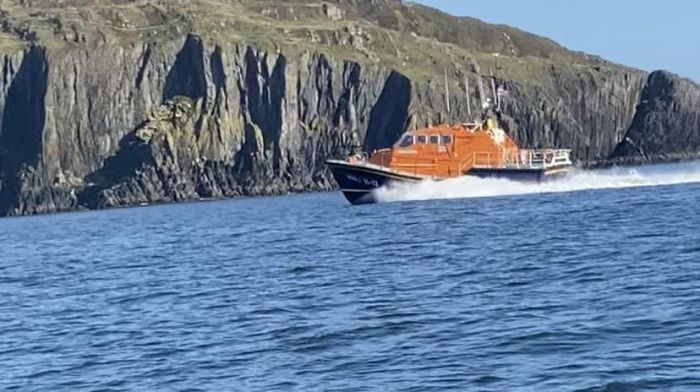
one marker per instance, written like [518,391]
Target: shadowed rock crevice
[262,98]
[390,114]
[24,117]
[133,155]
[264,93]
[218,75]
[187,76]
[277,92]
[346,111]
[145,59]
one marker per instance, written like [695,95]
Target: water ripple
[586,291]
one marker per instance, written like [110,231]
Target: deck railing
[523,159]
[515,159]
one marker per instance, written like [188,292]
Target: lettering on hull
[362,180]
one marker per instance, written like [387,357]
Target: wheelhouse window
[447,140]
[407,141]
[422,139]
[435,139]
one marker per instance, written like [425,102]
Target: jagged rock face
[666,125]
[182,120]
[257,124]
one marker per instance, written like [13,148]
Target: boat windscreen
[407,141]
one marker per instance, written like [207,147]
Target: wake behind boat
[442,152]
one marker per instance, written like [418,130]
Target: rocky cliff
[666,125]
[126,102]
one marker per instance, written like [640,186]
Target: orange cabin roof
[446,151]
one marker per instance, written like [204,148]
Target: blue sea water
[575,287]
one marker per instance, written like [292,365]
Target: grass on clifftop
[418,41]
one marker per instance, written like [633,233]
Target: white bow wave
[577,180]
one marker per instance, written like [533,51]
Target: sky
[645,34]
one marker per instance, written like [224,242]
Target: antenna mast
[496,98]
[482,95]
[447,93]
[466,89]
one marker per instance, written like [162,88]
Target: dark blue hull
[359,181]
[520,175]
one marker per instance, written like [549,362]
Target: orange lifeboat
[443,152]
